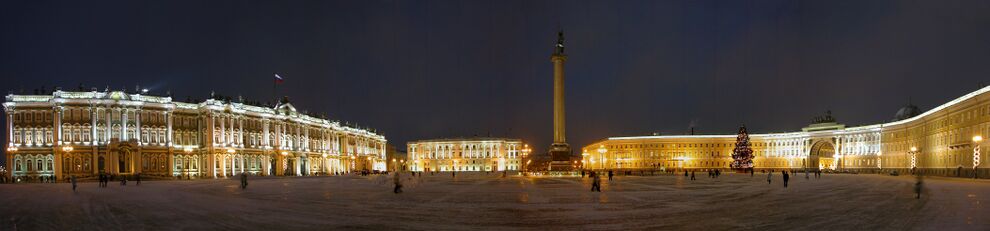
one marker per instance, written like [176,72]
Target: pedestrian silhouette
[596,182]
[244,181]
[398,183]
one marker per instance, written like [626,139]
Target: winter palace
[86,133]
[945,140]
[467,154]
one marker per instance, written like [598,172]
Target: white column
[298,166]
[137,129]
[264,134]
[223,165]
[123,125]
[10,128]
[230,139]
[168,128]
[57,126]
[92,126]
[109,120]
[223,131]
[240,133]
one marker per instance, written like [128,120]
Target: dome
[907,112]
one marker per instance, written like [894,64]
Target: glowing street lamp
[602,151]
[187,150]
[976,155]
[67,149]
[230,150]
[11,149]
[914,158]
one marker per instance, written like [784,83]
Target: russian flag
[278,79]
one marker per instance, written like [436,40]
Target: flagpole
[278,79]
[274,92]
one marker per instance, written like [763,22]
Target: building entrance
[822,156]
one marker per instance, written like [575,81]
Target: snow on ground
[482,201]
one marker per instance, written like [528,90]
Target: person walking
[769,176]
[244,181]
[806,174]
[692,175]
[73,183]
[137,177]
[398,183]
[596,182]
[786,178]
[609,175]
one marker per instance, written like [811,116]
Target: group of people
[714,173]
[49,179]
[106,178]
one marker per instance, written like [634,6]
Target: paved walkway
[481,201]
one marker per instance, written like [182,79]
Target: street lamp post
[914,159]
[526,157]
[601,151]
[584,157]
[976,155]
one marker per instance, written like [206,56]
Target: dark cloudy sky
[429,69]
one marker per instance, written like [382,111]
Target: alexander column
[560,151]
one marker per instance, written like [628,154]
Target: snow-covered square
[489,201]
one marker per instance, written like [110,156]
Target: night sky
[430,69]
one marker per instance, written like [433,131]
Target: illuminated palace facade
[468,154]
[945,140]
[87,133]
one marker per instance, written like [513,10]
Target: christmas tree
[742,154]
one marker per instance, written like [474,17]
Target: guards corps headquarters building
[86,133]
[945,140]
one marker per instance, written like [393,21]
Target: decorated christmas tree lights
[742,155]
